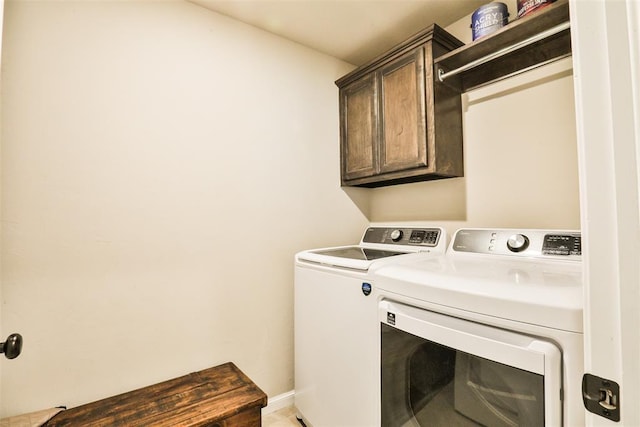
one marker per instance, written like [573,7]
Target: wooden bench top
[197,399]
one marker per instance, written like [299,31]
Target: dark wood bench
[222,396]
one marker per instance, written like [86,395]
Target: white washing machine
[489,334]
[337,371]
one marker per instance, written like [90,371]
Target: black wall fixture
[12,346]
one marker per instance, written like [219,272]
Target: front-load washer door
[443,371]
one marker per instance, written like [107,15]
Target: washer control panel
[528,243]
[403,236]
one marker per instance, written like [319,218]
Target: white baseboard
[278,402]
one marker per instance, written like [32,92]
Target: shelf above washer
[495,60]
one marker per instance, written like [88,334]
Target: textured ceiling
[352,30]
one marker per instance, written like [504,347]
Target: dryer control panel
[528,243]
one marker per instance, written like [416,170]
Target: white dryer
[488,334]
[337,374]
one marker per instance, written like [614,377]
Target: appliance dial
[518,243]
[396,235]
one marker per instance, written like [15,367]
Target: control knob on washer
[396,235]
[518,243]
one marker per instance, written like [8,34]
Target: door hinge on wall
[601,396]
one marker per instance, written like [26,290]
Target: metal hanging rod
[504,51]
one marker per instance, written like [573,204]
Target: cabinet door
[403,142]
[359,128]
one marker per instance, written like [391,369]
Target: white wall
[151,148]
[520,158]
[161,165]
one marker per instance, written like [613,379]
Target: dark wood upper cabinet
[395,125]
[401,122]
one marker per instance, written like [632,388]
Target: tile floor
[285,417]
